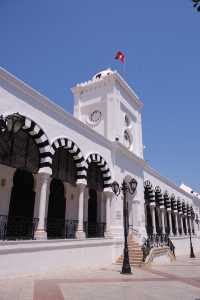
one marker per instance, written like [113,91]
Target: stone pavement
[179,280]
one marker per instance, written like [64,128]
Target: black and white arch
[105,170]
[76,153]
[149,193]
[40,138]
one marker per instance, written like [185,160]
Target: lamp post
[12,123]
[191,246]
[126,187]
[196,4]
[192,216]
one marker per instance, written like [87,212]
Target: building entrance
[20,219]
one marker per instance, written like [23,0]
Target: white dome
[102,74]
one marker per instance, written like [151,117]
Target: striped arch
[167,201]
[159,197]
[76,153]
[149,193]
[105,170]
[40,138]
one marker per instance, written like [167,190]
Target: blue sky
[52,45]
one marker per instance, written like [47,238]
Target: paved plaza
[180,280]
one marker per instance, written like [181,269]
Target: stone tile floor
[179,280]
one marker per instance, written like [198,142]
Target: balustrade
[17,227]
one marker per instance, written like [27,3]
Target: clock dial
[95,116]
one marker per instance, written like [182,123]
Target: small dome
[102,74]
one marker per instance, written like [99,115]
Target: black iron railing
[14,228]
[70,227]
[157,240]
[3,226]
[94,229]
[17,227]
[149,230]
[55,228]
[60,228]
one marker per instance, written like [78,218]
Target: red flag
[120,56]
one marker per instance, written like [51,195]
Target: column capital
[81,181]
[108,189]
[45,170]
[44,176]
[81,186]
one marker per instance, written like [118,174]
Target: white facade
[106,130]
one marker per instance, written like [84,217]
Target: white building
[56,174]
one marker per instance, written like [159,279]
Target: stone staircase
[160,255]
[135,253]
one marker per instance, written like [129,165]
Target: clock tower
[108,105]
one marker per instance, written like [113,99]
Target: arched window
[64,167]
[19,151]
[94,177]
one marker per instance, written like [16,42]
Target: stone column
[163,219]
[170,221]
[43,191]
[152,209]
[176,222]
[181,221]
[109,196]
[80,234]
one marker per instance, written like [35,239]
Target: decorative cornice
[60,114]
[107,79]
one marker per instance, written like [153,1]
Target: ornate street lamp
[196,3]
[191,246]
[12,123]
[190,215]
[126,187]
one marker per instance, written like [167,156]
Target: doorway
[21,208]
[92,213]
[56,210]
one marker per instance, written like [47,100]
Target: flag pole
[124,67]
[121,57]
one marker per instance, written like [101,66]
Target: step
[130,258]
[135,254]
[133,260]
[133,265]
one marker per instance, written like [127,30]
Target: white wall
[34,258]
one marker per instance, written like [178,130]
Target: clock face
[95,116]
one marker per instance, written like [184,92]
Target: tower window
[127,120]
